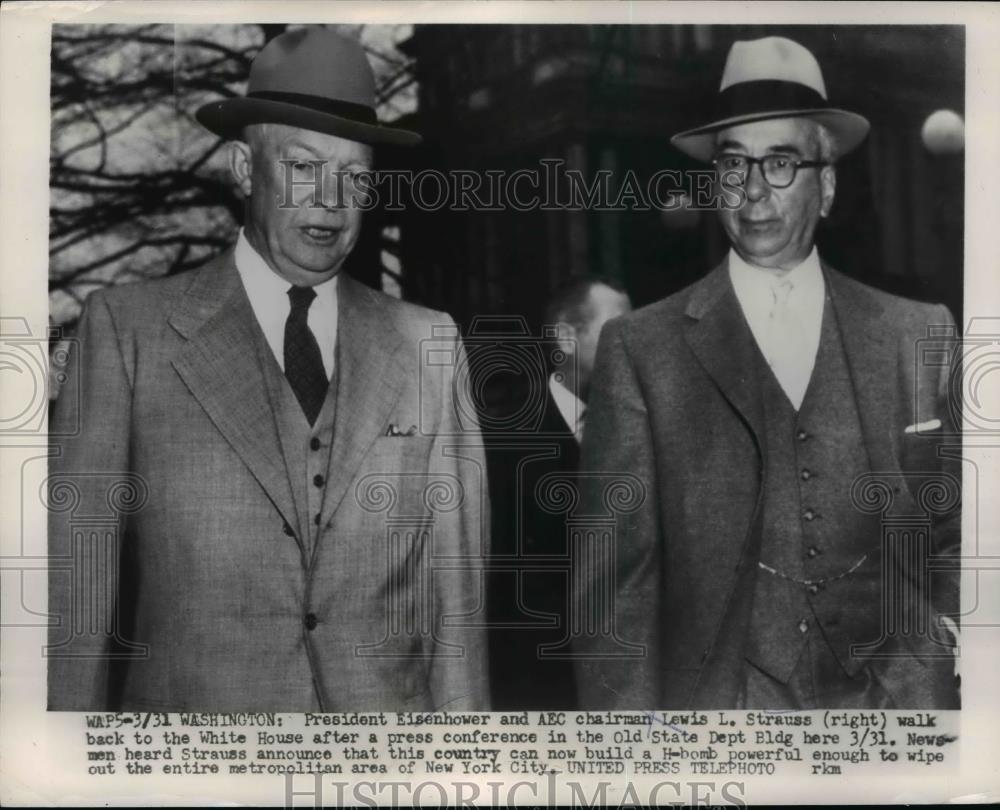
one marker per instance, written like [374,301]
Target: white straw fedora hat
[769,78]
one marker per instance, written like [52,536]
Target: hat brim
[849,129]
[227,118]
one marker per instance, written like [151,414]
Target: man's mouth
[321,234]
[757,224]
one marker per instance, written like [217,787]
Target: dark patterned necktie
[303,361]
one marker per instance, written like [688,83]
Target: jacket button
[311,621]
[801,435]
[803,626]
[318,480]
[806,475]
[813,588]
[809,514]
[288,530]
[812,551]
[316,519]
[314,443]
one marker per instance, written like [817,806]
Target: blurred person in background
[529,669]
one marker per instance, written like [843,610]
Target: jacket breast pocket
[402,453]
[397,475]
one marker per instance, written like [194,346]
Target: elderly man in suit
[296,467]
[754,410]
[529,665]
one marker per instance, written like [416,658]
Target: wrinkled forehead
[288,140]
[792,135]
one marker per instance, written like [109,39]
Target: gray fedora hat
[770,78]
[311,78]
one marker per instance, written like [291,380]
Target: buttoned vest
[813,539]
[306,449]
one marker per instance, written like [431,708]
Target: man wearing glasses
[753,408]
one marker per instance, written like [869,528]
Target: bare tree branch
[137,187]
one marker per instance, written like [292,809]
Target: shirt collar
[570,406]
[752,282]
[265,287]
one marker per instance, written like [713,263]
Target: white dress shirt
[268,294]
[787,334]
[570,406]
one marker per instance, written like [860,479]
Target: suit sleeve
[617,580]
[947,536]
[933,461]
[459,672]
[919,668]
[87,481]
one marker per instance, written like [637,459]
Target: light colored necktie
[580,416]
[784,344]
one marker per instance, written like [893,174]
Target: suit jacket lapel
[219,366]
[723,345]
[721,340]
[370,374]
[873,366]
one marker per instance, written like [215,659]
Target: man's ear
[828,189]
[241,166]
[566,338]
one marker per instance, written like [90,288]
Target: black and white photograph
[623,372]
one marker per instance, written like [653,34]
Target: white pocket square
[393,430]
[923,427]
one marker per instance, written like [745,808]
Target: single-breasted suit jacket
[673,405]
[180,579]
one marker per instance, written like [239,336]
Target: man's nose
[331,192]
[325,191]
[756,187]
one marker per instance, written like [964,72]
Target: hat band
[766,95]
[361,113]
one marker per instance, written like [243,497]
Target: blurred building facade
[509,97]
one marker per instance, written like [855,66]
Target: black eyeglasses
[778,170]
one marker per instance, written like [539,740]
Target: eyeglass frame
[751,161]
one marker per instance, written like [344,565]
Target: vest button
[809,514]
[314,443]
[806,475]
[318,480]
[801,435]
[311,621]
[803,626]
[812,551]
[288,530]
